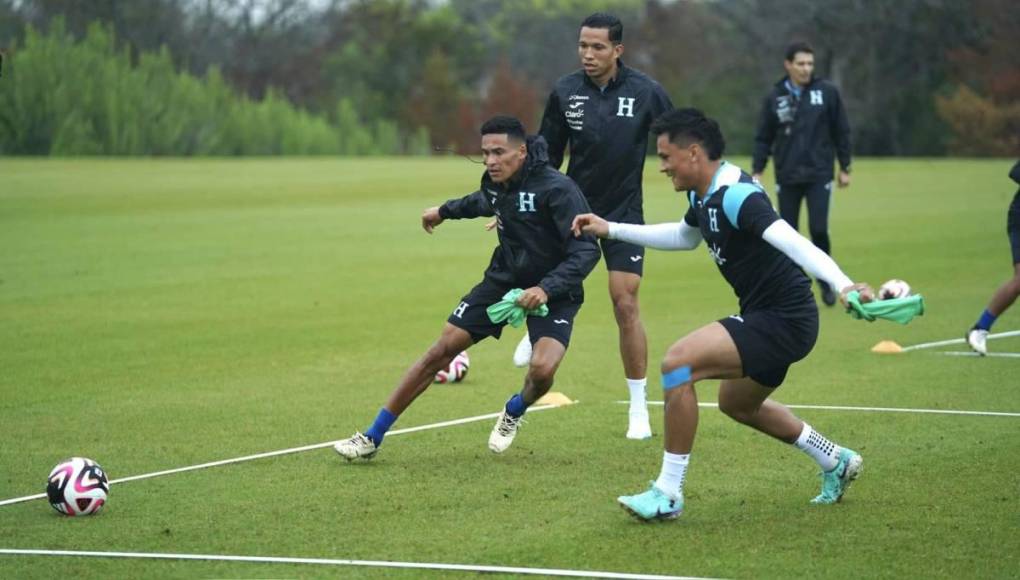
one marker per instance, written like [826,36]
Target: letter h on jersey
[626,108]
[527,201]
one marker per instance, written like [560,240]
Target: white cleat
[522,354]
[504,432]
[356,446]
[639,427]
[978,340]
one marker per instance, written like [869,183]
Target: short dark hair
[685,125]
[606,20]
[795,47]
[500,124]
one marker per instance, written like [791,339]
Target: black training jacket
[534,212]
[803,135]
[608,135]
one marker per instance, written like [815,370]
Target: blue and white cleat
[836,481]
[653,505]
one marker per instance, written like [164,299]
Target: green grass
[158,314]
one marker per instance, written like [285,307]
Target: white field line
[337,562]
[871,409]
[957,341]
[282,452]
[972,353]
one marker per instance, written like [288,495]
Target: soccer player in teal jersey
[764,259]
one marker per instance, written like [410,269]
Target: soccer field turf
[161,314]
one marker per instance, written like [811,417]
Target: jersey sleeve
[582,253]
[748,208]
[840,130]
[470,206]
[764,136]
[691,217]
[554,129]
[660,101]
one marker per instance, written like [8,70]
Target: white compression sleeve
[668,236]
[805,254]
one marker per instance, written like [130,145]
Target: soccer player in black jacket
[534,206]
[804,124]
[1005,295]
[604,111]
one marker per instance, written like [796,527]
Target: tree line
[369,77]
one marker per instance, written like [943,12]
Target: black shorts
[623,257]
[769,342]
[471,316]
[1013,227]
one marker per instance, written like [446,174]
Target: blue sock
[383,421]
[515,407]
[986,321]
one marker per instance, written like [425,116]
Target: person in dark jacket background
[804,126]
[534,205]
[603,111]
[1005,295]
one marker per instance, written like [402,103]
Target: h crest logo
[459,311]
[713,221]
[816,97]
[527,201]
[626,108]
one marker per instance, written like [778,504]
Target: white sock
[638,403]
[674,469]
[825,452]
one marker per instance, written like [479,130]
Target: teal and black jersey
[732,218]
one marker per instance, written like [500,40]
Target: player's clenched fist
[430,219]
[866,293]
[589,223]
[532,298]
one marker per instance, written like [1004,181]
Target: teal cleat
[652,505]
[836,481]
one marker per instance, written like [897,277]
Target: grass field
[160,314]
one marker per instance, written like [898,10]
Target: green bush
[67,97]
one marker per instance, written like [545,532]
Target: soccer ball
[77,487]
[894,289]
[456,371]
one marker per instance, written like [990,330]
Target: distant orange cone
[887,347]
[555,399]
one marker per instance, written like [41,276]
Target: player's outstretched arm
[668,236]
[814,261]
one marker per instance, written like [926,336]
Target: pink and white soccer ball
[456,371]
[894,289]
[77,487]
